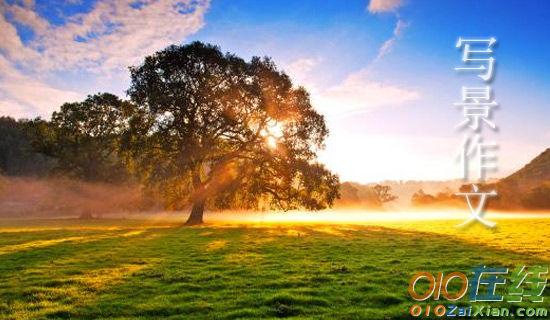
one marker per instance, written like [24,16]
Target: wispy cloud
[358,93]
[300,69]
[24,96]
[103,41]
[391,6]
[388,45]
[377,6]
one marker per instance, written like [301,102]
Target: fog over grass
[31,198]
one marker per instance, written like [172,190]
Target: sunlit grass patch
[528,236]
[216,245]
[52,242]
[37,244]
[58,297]
[240,272]
[243,258]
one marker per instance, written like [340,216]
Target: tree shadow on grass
[50,280]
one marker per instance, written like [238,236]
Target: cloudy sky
[382,71]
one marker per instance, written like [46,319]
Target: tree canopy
[213,128]
[84,137]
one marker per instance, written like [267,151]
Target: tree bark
[197,211]
[199,199]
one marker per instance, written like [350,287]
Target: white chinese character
[477,211]
[476,107]
[476,55]
[485,153]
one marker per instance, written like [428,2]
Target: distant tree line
[536,198]
[19,154]
[373,195]
[442,198]
[82,140]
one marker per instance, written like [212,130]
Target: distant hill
[533,174]
[529,187]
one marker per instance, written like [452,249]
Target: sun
[272,133]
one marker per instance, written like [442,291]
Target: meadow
[144,269]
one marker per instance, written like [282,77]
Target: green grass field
[128,269]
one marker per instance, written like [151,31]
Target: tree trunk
[197,211]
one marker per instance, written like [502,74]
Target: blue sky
[381,71]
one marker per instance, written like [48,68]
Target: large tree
[212,128]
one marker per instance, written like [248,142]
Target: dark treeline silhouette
[201,129]
[18,155]
[444,198]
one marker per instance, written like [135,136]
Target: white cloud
[377,6]
[26,15]
[388,45]
[105,41]
[10,44]
[300,69]
[23,96]
[112,36]
[359,94]
[399,27]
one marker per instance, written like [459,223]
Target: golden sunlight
[273,133]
